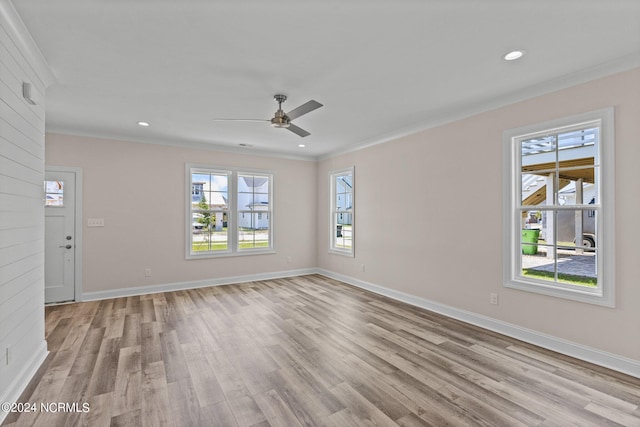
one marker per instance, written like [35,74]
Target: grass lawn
[590,282]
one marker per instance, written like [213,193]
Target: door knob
[66,246]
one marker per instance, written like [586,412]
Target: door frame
[77,226]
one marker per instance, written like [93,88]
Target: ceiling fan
[282,119]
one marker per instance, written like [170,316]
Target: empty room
[319,213]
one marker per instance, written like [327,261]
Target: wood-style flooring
[305,351]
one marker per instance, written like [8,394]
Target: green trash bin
[530,236]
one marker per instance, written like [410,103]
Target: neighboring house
[344,200]
[215,200]
[257,218]
[254,215]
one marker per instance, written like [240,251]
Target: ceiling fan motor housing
[280,120]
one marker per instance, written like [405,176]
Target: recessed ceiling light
[513,55]
[301,145]
[144,124]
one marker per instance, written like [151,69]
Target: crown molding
[599,71]
[179,143]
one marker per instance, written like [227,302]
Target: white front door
[59,236]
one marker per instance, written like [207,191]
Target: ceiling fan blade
[303,109]
[240,120]
[297,130]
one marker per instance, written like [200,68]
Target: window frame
[604,294]
[232,211]
[333,248]
[269,211]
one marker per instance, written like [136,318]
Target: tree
[206,219]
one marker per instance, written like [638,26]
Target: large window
[229,212]
[254,211]
[559,208]
[342,212]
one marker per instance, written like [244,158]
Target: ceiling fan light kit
[283,120]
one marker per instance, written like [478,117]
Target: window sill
[245,252]
[589,296]
[349,254]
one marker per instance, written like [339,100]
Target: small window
[54,193]
[342,212]
[560,208]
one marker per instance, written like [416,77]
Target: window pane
[577,144]
[348,198]
[541,220]
[209,202]
[209,239]
[575,223]
[254,216]
[538,167]
[261,184]
[245,201]
[245,183]
[201,178]
[342,211]
[538,145]
[253,229]
[344,231]
[54,193]
[564,262]
[577,268]
[538,261]
[209,191]
[578,187]
[344,184]
[533,189]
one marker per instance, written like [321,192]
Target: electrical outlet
[362,267]
[147,272]
[289,259]
[493,298]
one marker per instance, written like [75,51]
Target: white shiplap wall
[22,343]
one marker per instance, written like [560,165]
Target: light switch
[95,222]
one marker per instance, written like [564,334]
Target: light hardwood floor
[305,351]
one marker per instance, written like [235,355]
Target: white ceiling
[381,68]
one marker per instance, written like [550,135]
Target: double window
[559,208]
[342,212]
[228,212]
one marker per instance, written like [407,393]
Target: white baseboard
[559,345]
[15,389]
[180,286]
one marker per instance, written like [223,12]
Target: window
[342,212]
[54,193]
[559,206]
[229,212]
[254,207]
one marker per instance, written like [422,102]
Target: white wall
[21,206]
[429,207]
[139,190]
